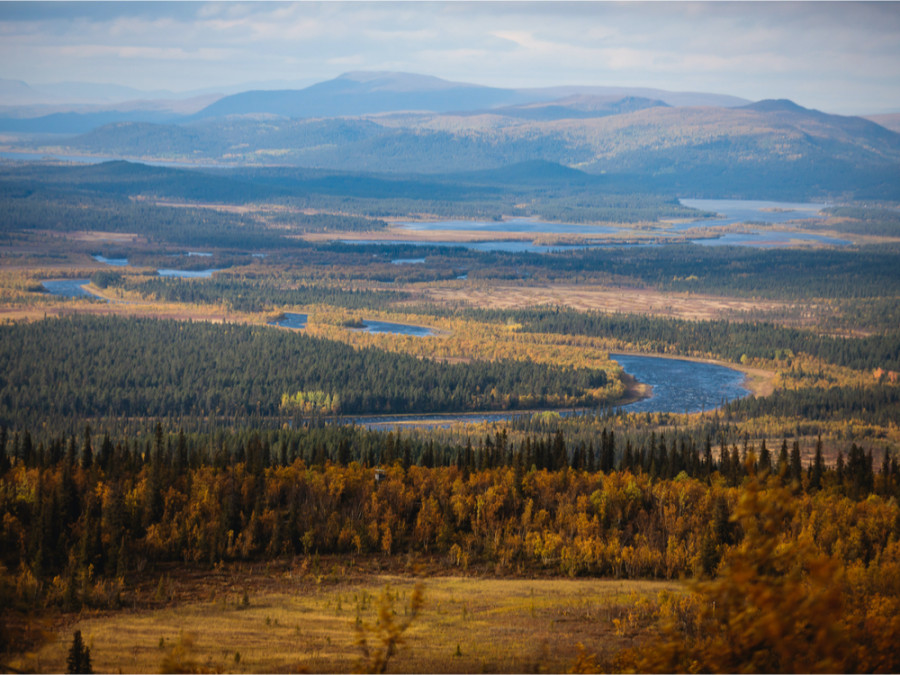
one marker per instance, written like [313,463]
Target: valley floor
[292,619]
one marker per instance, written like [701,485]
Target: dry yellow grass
[602,298]
[466,625]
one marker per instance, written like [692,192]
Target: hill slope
[363,94]
[369,93]
[767,149]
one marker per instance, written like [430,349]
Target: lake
[763,212]
[68,288]
[115,262]
[765,239]
[519,225]
[291,320]
[188,274]
[396,328]
[732,211]
[506,246]
[182,274]
[750,211]
[681,386]
[299,321]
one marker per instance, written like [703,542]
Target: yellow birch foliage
[779,604]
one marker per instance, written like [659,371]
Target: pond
[764,213]
[517,225]
[115,262]
[681,386]
[777,239]
[731,211]
[506,246]
[395,328]
[68,288]
[750,211]
[291,320]
[188,274]
[182,274]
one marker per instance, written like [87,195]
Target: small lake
[750,211]
[115,262]
[68,288]
[291,320]
[408,261]
[681,386]
[732,211]
[506,246]
[764,239]
[517,225]
[395,328]
[188,274]
[762,212]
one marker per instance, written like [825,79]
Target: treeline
[80,513]
[876,405]
[866,271]
[549,190]
[245,294]
[76,367]
[740,271]
[729,340]
[37,202]
[183,226]
[865,220]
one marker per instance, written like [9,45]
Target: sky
[838,57]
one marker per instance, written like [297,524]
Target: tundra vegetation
[185,487]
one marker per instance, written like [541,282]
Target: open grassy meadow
[307,623]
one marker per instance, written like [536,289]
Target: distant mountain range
[48,110]
[369,93]
[689,143]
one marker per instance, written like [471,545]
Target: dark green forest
[726,339]
[551,191]
[84,367]
[105,508]
[248,294]
[873,405]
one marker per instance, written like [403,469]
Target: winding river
[681,386]
[677,386]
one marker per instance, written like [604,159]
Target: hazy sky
[838,57]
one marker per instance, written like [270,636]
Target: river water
[681,386]
[678,386]
[730,211]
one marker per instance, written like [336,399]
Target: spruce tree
[818,468]
[87,452]
[796,465]
[79,658]
[765,459]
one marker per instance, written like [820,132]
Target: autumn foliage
[796,571]
[780,603]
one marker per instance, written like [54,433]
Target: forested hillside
[87,367]
[83,515]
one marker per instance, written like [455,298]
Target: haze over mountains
[696,143]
